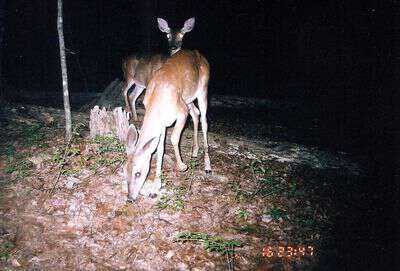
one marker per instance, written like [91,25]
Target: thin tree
[67,107]
[2,26]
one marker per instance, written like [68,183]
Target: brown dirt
[87,225]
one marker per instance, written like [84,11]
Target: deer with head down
[169,98]
[139,69]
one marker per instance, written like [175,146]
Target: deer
[139,69]
[169,98]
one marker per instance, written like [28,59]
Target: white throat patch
[175,51]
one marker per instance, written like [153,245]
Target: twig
[62,163]
[60,171]
[189,190]
[69,51]
[117,167]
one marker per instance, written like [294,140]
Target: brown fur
[169,98]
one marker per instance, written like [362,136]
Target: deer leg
[202,100]
[152,188]
[160,153]
[194,113]
[133,97]
[176,136]
[127,86]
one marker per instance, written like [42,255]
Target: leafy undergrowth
[63,207]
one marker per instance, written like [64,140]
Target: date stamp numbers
[288,251]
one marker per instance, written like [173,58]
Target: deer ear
[131,138]
[188,26]
[163,25]
[149,144]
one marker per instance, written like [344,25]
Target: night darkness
[338,60]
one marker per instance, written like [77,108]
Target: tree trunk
[2,27]
[67,107]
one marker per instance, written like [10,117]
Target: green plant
[60,156]
[6,250]
[193,164]
[73,151]
[22,168]
[256,167]
[241,194]
[278,214]
[33,135]
[163,178]
[78,129]
[101,161]
[243,214]
[211,244]
[174,202]
[270,186]
[10,151]
[108,143]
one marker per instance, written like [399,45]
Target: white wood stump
[121,120]
[103,122]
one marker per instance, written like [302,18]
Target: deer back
[176,81]
[141,68]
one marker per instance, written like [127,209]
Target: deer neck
[175,51]
[151,128]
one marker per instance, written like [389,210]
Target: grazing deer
[139,69]
[169,98]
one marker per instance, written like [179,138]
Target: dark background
[338,58]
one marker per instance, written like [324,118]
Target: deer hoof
[194,153]
[208,171]
[130,201]
[182,167]
[152,195]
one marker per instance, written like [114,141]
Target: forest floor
[268,205]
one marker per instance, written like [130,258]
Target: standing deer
[169,98]
[139,69]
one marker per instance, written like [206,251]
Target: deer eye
[137,174]
[168,35]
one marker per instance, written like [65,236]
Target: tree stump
[103,122]
[121,120]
